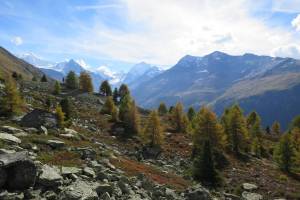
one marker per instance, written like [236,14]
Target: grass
[61,158]
[133,168]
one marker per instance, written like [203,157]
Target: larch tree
[208,128]
[11,103]
[123,91]
[108,106]
[276,128]
[105,88]
[85,82]
[132,120]
[152,133]
[284,153]
[191,113]
[60,115]
[162,109]
[238,134]
[72,81]
[57,88]
[177,116]
[296,122]
[124,107]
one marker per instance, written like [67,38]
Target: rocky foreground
[23,176]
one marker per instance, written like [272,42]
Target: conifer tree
[105,88]
[177,117]
[60,116]
[171,109]
[132,120]
[252,118]
[152,133]
[57,88]
[72,81]
[124,107]
[191,113]
[204,166]
[284,153]
[44,78]
[114,114]
[67,107]
[11,103]
[276,128]
[116,96]
[238,134]
[208,128]
[162,109]
[85,82]
[108,106]
[256,147]
[48,103]
[296,122]
[34,79]
[123,91]
[14,75]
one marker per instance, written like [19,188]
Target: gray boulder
[197,193]
[89,172]
[103,188]
[18,169]
[38,118]
[13,130]
[56,144]
[251,196]
[79,190]
[249,186]
[9,138]
[65,171]
[50,176]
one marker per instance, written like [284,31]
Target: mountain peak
[217,54]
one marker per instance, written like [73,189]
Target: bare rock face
[17,171]
[38,118]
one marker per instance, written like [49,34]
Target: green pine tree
[44,78]
[57,88]
[116,96]
[67,107]
[191,113]
[105,88]
[204,166]
[123,91]
[284,153]
[72,81]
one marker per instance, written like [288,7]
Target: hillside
[220,80]
[10,63]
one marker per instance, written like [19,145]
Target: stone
[32,130]
[70,131]
[105,196]
[20,170]
[103,188]
[5,151]
[151,152]
[197,193]
[5,195]
[65,171]
[249,186]
[3,177]
[44,130]
[9,138]
[14,131]
[56,144]
[124,187]
[251,196]
[50,176]
[89,172]
[87,153]
[79,190]
[38,118]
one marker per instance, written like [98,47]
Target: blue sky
[119,33]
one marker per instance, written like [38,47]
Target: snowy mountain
[35,60]
[141,73]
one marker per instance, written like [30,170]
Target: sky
[120,33]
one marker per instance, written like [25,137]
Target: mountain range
[269,85]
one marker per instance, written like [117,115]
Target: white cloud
[292,51]
[296,23]
[17,40]
[288,6]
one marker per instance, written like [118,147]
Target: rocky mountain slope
[219,80]
[10,63]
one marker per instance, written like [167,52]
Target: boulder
[13,130]
[86,153]
[89,172]
[197,193]
[65,171]
[50,176]
[9,138]
[38,118]
[55,144]
[20,170]
[251,196]
[79,190]
[249,186]
[149,152]
[103,188]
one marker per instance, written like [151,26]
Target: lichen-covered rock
[49,176]
[197,193]
[56,144]
[79,190]
[9,138]
[251,196]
